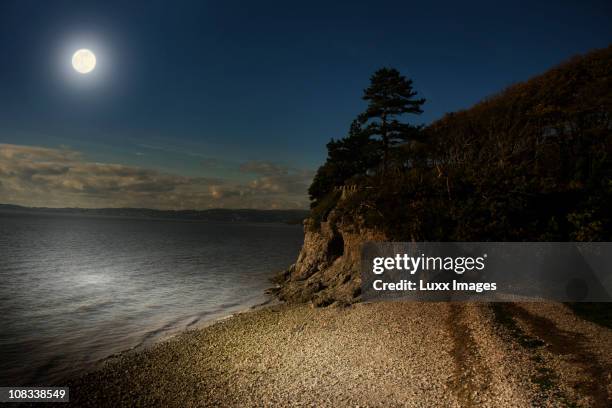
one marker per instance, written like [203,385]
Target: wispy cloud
[38,176]
[278,178]
[265,168]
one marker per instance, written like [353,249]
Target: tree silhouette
[533,162]
[390,95]
[350,156]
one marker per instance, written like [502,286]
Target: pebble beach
[387,354]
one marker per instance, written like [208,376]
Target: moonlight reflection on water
[78,289]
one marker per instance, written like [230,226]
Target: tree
[390,96]
[350,156]
[356,153]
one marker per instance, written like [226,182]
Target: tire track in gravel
[572,346]
[470,375]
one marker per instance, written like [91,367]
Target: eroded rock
[327,270]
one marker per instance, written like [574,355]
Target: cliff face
[327,270]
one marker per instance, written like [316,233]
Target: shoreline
[270,300]
[372,354]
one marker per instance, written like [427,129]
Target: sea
[75,290]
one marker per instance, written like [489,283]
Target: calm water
[74,290]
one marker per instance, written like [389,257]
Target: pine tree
[390,96]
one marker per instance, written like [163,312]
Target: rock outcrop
[327,270]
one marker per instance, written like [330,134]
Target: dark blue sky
[200,88]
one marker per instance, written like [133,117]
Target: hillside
[532,163]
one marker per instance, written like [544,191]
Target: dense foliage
[531,163]
[369,146]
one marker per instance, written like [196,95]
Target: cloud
[290,183]
[38,176]
[277,178]
[264,168]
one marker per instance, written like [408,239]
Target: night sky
[230,104]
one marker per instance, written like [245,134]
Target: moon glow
[84,61]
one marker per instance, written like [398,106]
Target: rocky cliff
[327,270]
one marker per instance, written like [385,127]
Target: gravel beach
[369,354]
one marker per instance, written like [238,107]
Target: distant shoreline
[219,214]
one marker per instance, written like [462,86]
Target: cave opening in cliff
[335,248]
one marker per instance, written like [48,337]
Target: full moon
[84,61]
